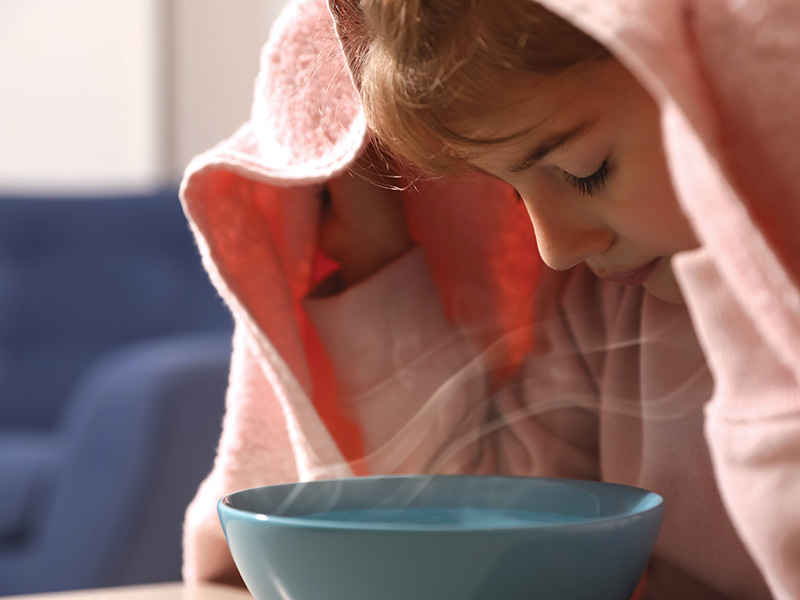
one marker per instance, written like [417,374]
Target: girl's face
[592,174]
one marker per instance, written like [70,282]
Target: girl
[658,346]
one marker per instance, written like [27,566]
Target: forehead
[543,108]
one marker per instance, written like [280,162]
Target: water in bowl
[468,517]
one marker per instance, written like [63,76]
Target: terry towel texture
[725,75]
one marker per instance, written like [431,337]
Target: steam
[544,420]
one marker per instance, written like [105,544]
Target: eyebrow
[550,144]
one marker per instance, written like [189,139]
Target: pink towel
[725,75]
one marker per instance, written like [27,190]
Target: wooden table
[163,591]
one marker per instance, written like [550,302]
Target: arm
[254,450]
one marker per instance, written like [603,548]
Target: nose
[567,235]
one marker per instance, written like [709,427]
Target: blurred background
[98,95]
[114,346]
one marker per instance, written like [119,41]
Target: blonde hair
[425,65]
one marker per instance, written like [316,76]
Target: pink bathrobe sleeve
[251,414]
[752,426]
[747,316]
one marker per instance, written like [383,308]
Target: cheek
[671,222]
[657,220]
[665,223]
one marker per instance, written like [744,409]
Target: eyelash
[589,185]
[594,183]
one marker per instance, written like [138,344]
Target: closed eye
[589,185]
[594,183]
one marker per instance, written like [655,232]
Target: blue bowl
[442,538]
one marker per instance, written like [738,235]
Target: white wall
[217,51]
[100,95]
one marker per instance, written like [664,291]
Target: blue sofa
[114,353]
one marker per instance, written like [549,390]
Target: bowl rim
[224,504]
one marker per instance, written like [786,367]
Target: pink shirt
[614,390]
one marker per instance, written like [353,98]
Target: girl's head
[433,67]
[508,88]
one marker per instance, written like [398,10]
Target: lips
[635,276]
